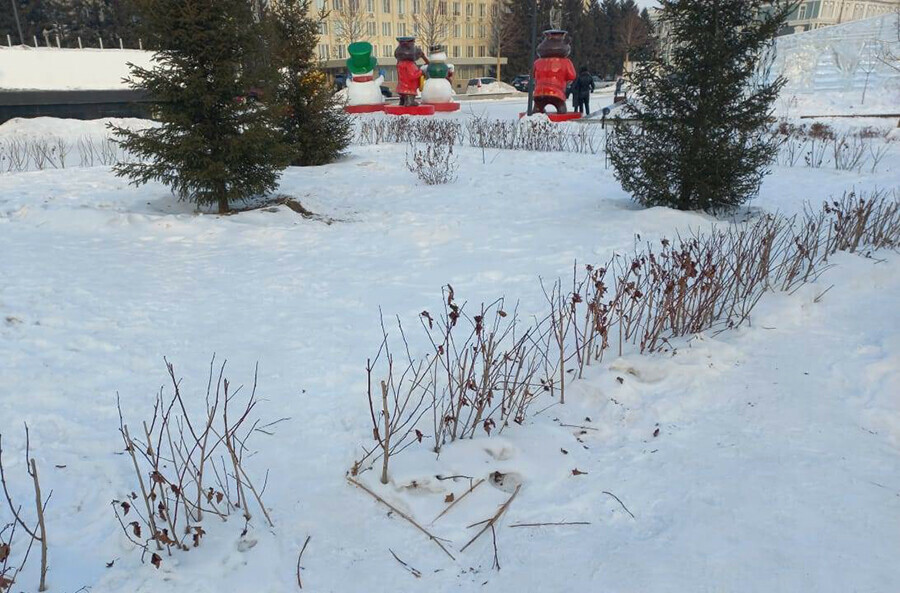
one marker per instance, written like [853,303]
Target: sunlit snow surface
[776,467]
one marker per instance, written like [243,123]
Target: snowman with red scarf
[363,89]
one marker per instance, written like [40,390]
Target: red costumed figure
[552,72]
[409,75]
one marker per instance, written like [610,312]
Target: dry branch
[491,521]
[456,501]
[402,514]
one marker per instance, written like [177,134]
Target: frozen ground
[777,465]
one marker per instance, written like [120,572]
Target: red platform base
[557,117]
[409,109]
[363,108]
[445,107]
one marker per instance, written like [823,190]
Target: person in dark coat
[572,91]
[582,89]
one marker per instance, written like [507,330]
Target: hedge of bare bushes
[486,365]
[817,145]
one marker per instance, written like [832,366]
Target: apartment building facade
[815,14]
[462,26]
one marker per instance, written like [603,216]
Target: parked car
[521,81]
[484,85]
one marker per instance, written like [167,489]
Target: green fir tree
[315,129]
[214,144]
[703,106]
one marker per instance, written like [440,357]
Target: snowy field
[776,467]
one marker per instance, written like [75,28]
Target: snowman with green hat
[363,89]
[437,90]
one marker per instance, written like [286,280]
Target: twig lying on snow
[452,504]
[621,503]
[402,514]
[554,523]
[579,426]
[490,522]
[411,570]
[303,549]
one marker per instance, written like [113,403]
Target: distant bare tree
[432,22]
[500,29]
[349,21]
[632,33]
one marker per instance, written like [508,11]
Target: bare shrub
[37,534]
[188,465]
[405,130]
[819,144]
[482,132]
[433,164]
[856,221]
[481,372]
[19,154]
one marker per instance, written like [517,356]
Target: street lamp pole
[18,24]
[534,9]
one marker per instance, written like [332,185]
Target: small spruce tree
[703,102]
[315,129]
[215,143]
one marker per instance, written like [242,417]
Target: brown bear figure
[553,71]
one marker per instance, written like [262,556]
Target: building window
[323,51]
[386,29]
[401,29]
[401,6]
[442,7]
[387,50]
[456,29]
[417,6]
[386,6]
[416,29]
[470,51]
[456,10]
[470,10]
[482,51]
[338,4]
[341,52]
[370,29]
[370,6]
[455,51]
[470,30]
[323,28]
[481,10]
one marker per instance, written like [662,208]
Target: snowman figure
[437,90]
[363,89]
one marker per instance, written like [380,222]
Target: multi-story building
[464,27]
[814,14]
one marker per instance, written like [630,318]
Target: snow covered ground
[776,468]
